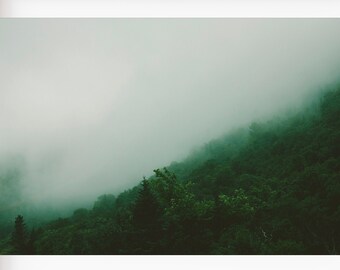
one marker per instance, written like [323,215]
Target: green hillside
[271,188]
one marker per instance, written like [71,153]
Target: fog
[91,106]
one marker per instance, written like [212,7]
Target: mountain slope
[273,188]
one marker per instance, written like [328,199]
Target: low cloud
[93,105]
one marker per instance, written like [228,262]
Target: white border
[170,8]
[169,262]
[179,9]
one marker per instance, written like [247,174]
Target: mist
[91,106]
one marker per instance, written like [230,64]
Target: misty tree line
[273,188]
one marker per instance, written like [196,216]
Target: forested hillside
[272,188]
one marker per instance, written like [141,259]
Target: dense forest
[270,188]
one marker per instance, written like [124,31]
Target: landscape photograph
[169,136]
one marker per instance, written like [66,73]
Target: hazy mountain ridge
[270,189]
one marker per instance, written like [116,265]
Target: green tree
[104,205]
[19,235]
[146,211]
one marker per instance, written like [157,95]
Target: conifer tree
[19,235]
[146,210]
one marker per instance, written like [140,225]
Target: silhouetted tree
[146,210]
[19,235]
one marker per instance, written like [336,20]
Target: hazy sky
[93,105]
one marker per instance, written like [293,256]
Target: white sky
[93,105]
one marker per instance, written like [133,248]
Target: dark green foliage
[145,211]
[19,237]
[271,189]
[104,204]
